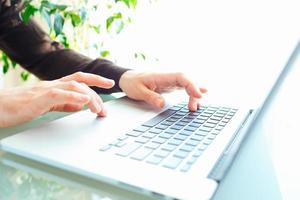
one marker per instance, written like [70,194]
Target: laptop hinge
[224,162]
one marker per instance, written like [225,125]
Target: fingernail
[110,81]
[104,112]
[195,107]
[160,103]
[98,108]
[203,90]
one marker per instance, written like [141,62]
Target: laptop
[168,154]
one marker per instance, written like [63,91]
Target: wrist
[125,77]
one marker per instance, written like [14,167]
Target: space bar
[160,117]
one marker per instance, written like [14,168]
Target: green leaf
[46,15]
[111,19]
[124,1]
[24,76]
[29,11]
[75,19]
[96,29]
[58,23]
[61,7]
[5,63]
[104,53]
[133,3]
[128,3]
[13,63]
[140,55]
[62,38]
[52,6]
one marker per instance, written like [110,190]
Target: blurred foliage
[74,22]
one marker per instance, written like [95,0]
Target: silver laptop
[168,154]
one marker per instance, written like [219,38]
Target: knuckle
[78,74]
[52,93]
[180,74]
[71,96]
[73,84]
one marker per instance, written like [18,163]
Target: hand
[68,94]
[149,86]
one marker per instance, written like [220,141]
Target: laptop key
[192,160]
[211,121]
[149,135]
[181,154]
[208,125]
[185,132]
[159,118]
[222,123]
[211,137]
[215,132]
[172,131]
[141,154]
[202,147]
[141,128]
[176,127]
[207,141]
[167,123]
[198,153]
[162,127]
[155,130]
[205,129]
[105,148]
[169,147]
[165,135]
[152,145]
[128,149]
[154,160]
[187,148]
[175,108]
[186,167]
[175,142]
[219,128]
[142,140]
[172,162]
[162,153]
[180,123]
[123,137]
[159,140]
[134,133]
[121,144]
[192,142]
[180,137]
[197,137]
[194,124]
[190,128]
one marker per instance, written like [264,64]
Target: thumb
[152,98]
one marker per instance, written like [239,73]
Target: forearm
[33,49]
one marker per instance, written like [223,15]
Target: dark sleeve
[32,48]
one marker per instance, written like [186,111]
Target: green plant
[71,22]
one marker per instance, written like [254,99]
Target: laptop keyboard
[175,138]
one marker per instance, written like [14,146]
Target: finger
[190,87]
[193,104]
[103,111]
[56,97]
[152,98]
[68,108]
[90,80]
[94,104]
[203,90]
